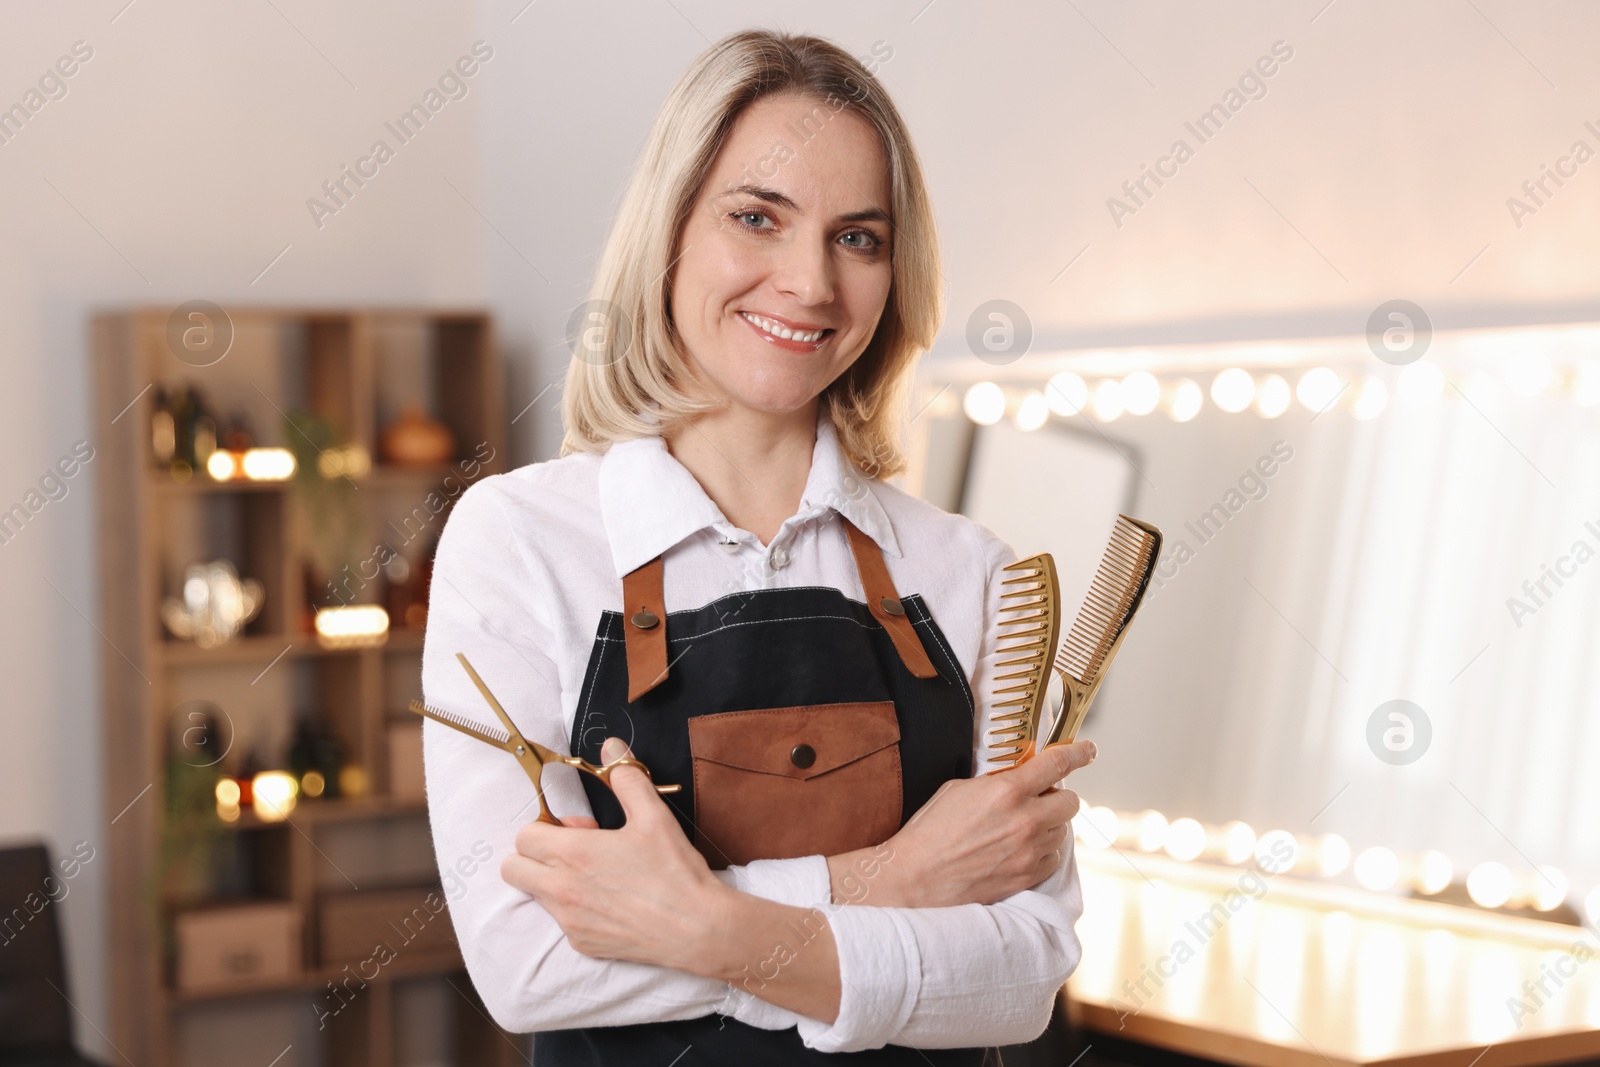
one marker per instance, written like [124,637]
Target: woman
[835,874]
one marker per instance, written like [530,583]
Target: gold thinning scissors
[532,755]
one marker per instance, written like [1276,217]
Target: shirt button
[778,556]
[730,546]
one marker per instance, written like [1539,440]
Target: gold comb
[1031,630]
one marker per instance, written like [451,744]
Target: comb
[1030,622]
[1084,657]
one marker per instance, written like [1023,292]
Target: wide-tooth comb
[492,734]
[1031,626]
[1103,620]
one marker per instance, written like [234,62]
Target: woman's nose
[805,271]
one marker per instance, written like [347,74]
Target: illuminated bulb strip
[1377,869]
[1233,390]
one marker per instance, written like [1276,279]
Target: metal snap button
[802,755]
[892,606]
[645,619]
[779,556]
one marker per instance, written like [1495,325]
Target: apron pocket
[776,783]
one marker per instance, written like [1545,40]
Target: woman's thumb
[629,783]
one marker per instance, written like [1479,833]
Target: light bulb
[1528,374]
[1434,872]
[1482,389]
[1377,869]
[1107,400]
[1185,839]
[1238,842]
[1033,412]
[1318,388]
[1140,393]
[1233,389]
[1185,400]
[1067,393]
[1549,888]
[274,795]
[1586,383]
[1277,851]
[1272,396]
[1150,830]
[1489,885]
[1333,855]
[1100,826]
[1372,399]
[1421,383]
[985,403]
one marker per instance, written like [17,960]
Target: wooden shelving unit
[357,368]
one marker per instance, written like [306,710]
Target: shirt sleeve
[970,975]
[485,602]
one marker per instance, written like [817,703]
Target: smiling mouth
[777,331]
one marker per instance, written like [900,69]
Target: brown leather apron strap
[644,622]
[644,628]
[884,603]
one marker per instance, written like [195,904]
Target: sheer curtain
[1388,577]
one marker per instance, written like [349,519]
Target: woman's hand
[640,893]
[976,841]
[645,894]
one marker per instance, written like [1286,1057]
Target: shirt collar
[649,501]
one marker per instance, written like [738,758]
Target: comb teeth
[1112,598]
[495,732]
[1029,626]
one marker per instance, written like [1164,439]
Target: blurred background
[1311,286]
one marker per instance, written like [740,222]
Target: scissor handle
[603,772]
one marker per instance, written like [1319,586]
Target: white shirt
[526,563]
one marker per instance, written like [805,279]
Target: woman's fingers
[530,876]
[640,802]
[1054,763]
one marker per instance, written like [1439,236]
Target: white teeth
[777,329]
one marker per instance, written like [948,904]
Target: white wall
[190,142]
[179,164]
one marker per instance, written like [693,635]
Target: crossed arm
[975,842]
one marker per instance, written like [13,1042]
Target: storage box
[238,945]
[382,924]
[405,760]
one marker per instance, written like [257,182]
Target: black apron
[811,653]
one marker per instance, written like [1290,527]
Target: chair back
[33,1015]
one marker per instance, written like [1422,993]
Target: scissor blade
[512,733]
[487,734]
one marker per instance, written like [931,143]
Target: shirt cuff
[880,971]
[802,882]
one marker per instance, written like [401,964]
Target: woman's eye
[867,241]
[745,219]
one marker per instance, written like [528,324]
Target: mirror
[1375,614]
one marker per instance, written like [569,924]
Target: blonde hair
[628,379]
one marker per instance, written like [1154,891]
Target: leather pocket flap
[768,741]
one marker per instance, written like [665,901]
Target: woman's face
[783,267]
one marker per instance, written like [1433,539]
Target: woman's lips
[755,322]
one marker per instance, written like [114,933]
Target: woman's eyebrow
[772,196]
